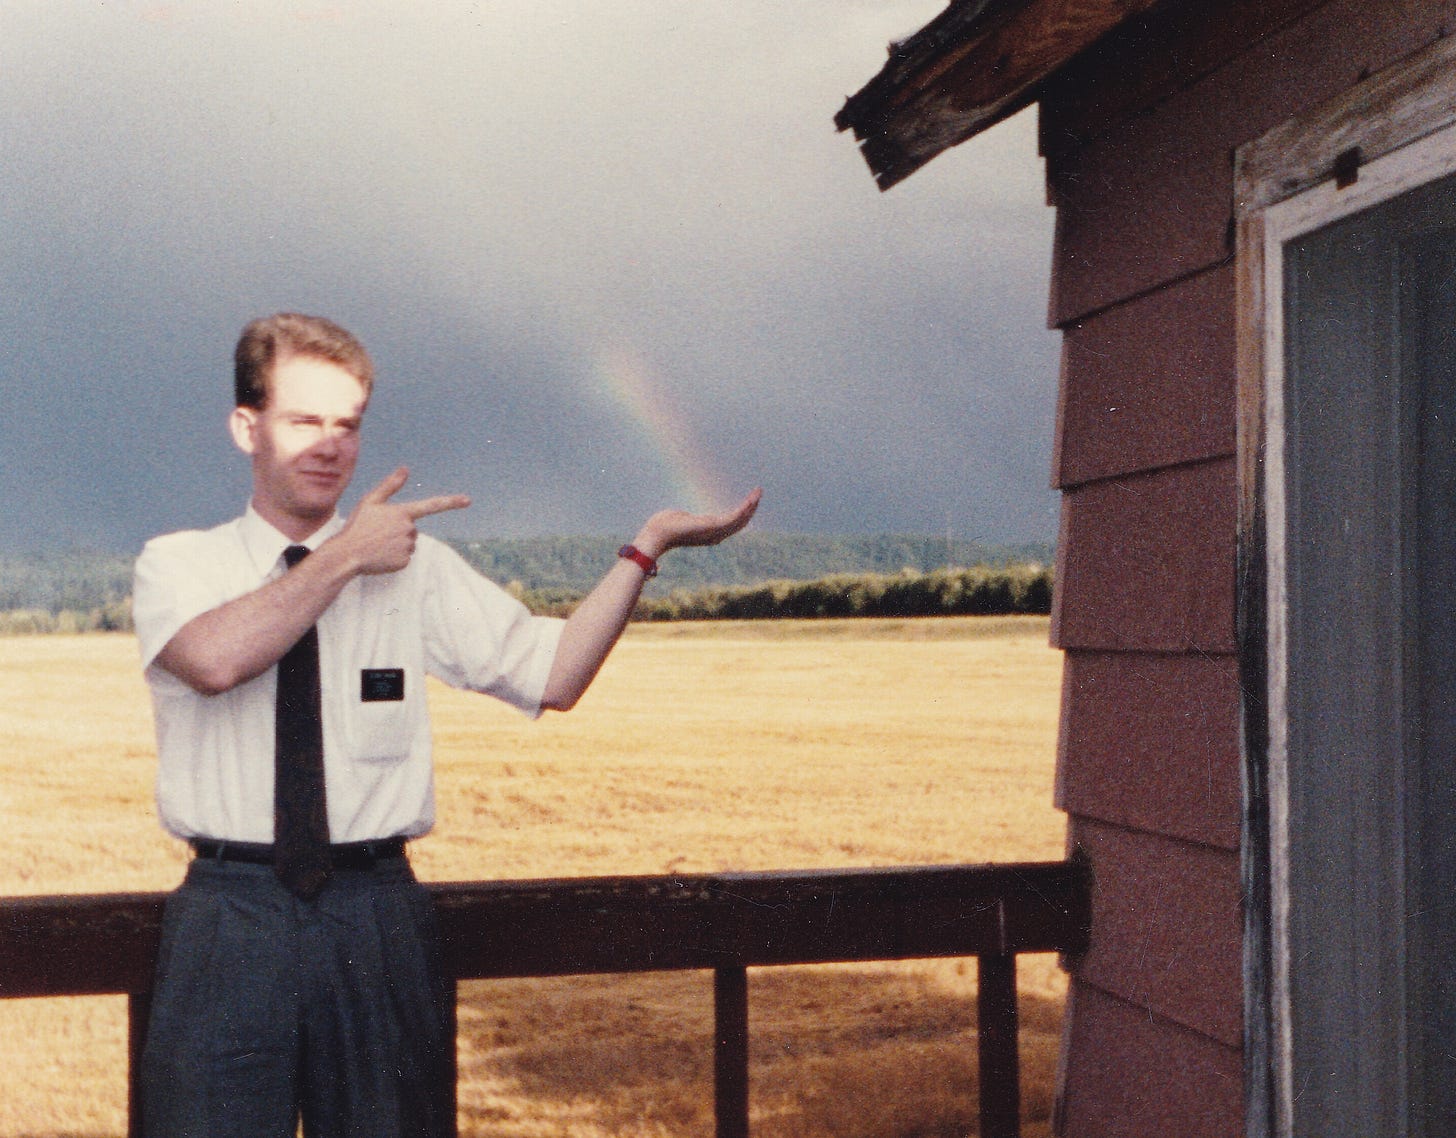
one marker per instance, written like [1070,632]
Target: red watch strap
[632,553]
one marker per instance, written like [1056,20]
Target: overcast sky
[607,257]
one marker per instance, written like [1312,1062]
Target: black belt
[345,855]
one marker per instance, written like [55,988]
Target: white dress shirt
[377,641]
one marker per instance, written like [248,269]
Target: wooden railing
[726,923]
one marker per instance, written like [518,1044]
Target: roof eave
[975,64]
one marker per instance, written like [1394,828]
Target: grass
[702,747]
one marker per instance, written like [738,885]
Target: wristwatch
[647,564]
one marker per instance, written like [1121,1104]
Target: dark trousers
[268,1009]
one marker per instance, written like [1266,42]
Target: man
[286,653]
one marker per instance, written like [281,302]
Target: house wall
[1139,136]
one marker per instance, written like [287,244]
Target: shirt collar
[265,545]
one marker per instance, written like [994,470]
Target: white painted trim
[1277,591]
[1419,163]
[1432,157]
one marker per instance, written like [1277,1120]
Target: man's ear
[242,423]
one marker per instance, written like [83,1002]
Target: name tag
[381,685]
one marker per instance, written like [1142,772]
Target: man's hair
[269,341]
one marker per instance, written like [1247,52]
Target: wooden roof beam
[975,64]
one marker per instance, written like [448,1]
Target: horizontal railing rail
[726,923]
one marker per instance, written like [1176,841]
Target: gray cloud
[491,195]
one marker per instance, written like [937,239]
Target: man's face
[304,443]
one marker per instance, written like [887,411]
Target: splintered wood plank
[961,74]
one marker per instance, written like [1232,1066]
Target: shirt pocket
[380,664]
[387,717]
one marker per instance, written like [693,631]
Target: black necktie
[300,817]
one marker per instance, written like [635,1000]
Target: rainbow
[636,390]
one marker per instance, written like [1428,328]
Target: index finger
[438,504]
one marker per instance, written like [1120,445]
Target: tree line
[576,563]
[776,576]
[979,591]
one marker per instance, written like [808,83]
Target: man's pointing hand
[380,534]
[422,507]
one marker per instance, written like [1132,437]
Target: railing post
[1000,1065]
[730,1051]
[450,1092]
[138,1015]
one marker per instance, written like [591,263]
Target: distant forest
[575,564]
[77,590]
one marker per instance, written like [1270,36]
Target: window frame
[1387,135]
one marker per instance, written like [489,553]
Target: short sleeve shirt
[377,641]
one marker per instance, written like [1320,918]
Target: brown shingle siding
[1151,200]
[1139,208]
[1146,562]
[1167,928]
[1149,383]
[1132,1075]
[1151,58]
[1150,742]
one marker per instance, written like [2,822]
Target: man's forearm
[598,621]
[590,634]
[243,638]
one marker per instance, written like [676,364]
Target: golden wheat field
[701,748]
